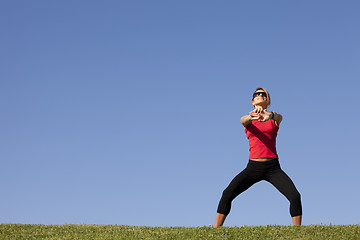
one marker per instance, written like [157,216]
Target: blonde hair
[268,101]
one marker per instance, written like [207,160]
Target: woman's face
[259,98]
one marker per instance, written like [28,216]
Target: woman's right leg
[239,184]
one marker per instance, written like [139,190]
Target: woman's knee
[295,198]
[228,194]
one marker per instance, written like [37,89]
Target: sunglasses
[256,94]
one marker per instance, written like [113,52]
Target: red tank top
[262,139]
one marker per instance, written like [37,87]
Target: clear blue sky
[127,112]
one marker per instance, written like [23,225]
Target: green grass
[26,231]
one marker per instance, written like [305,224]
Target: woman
[261,129]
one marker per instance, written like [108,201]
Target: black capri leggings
[255,172]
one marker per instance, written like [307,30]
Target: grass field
[26,231]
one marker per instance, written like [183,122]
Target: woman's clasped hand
[260,114]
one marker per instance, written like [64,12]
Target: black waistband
[269,162]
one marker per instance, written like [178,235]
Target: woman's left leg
[285,185]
